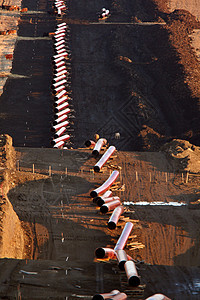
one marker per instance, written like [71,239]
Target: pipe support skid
[105,195]
[131,273]
[158,297]
[103,253]
[122,258]
[103,201]
[118,211]
[90,143]
[105,295]
[121,243]
[104,158]
[109,206]
[105,186]
[99,144]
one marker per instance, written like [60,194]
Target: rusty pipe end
[103,209]
[134,281]
[96,169]
[93,194]
[112,225]
[100,253]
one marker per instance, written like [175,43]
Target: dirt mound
[185,156]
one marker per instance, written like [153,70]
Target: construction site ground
[121,82]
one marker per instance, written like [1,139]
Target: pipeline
[131,273]
[120,296]
[105,186]
[118,211]
[103,201]
[122,258]
[103,253]
[124,236]
[99,144]
[104,158]
[90,143]
[109,206]
[105,195]
[105,295]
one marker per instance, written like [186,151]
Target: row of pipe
[104,198]
[61,86]
[59,7]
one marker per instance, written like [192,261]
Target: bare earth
[141,80]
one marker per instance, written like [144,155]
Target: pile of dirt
[184,155]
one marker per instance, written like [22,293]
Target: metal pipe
[55,85]
[122,258]
[58,126]
[62,72]
[59,95]
[105,195]
[105,186]
[61,69]
[62,112]
[58,78]
[103,201]
[59,144]
[59,55]
[103,253]
[158,297]
[104,158]
[59,132]
[105,295]
[118,211]
[59,47]
[61,138]
[59,34]
[131,273]
[61,24]
[60,119]
[59,64]
[90,143]
[120,296]
[57,60]
[58,89]
[60,101]
[124,236]
[99,144]
[58,39]
[109,206]
[59,43]
[60,107]
[61,51]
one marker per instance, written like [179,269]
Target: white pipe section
[60,107]
[60,101]
[61,29]
[58,126]
[59,144]
[60,119]
[59,83]
[61,138]
[104,158]
[60,132]
[158,297]
[60,54]
[98,146]
[62,7]
[57,60]
[60,88]
[59,64]
[60,69]
[60,47]
[62,93]
[58,35]
[59,43]
[131,273]
[58,39]
[59,12]
[58,78]
[63,112]
[61,50]
[105,186]
[62,24]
